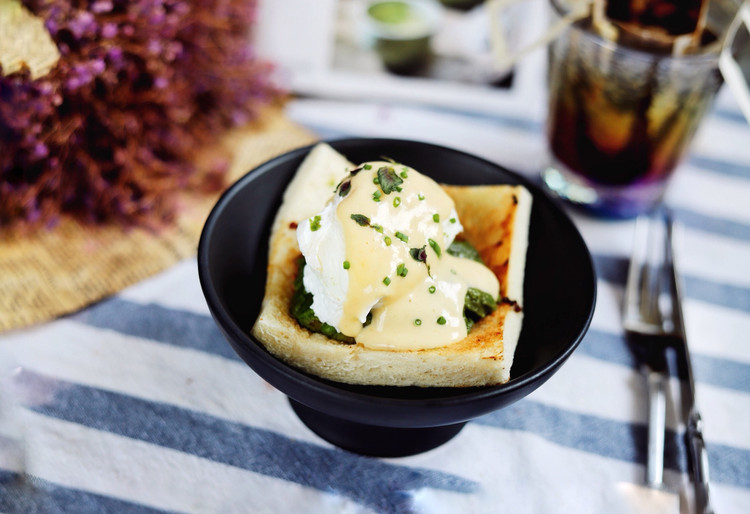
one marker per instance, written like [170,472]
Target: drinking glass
[621,118]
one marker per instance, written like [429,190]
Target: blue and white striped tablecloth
[137,404]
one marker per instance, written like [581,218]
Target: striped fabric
[137,404]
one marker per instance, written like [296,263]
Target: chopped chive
[376,195]
[361,219]
[346,265]
[441,321]
[368,166]
[403,237]
[417,322]
[387,281]
[375,180]
[436,218]
[418,254]
[345,187]
[387,241]
[403,173]
[420,196]
[378,228]
[432,289]
[401,270]
[397,201]
[452,220]
[435,247]
[388,179]
[315,223]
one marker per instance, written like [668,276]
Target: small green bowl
[463,5]
[402,31]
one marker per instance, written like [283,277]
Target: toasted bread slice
[495,220]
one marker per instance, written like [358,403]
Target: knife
[696,447]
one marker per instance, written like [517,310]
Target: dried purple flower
[110,134]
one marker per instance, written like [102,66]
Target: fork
[648,329]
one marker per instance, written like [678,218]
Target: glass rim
[707,55]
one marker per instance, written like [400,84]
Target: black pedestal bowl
[559,297]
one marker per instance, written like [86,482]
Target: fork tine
[659,244]
[652,277]
[676,321]
[634,287]
[645,277]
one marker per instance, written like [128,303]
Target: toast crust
[495,220]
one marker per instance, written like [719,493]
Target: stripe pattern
[138,404]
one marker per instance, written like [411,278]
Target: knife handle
[698,456]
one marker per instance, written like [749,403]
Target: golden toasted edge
[496,222]
[482,358]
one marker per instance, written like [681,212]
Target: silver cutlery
[653,322]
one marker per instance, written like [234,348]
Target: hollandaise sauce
[378,264]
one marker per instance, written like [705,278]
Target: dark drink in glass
[621,119]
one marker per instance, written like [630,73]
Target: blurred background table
[136,403]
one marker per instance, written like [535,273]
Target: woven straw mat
[50,273]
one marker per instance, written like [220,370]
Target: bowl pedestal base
[374,440]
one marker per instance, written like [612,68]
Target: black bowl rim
[325,387]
